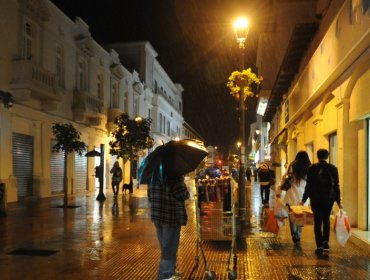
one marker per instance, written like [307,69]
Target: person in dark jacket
[266,177]
[168,213]
[322,197]
[248,174]
[116,172]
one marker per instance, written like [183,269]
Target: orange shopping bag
[272,224]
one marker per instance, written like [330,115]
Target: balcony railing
[86,106]
[32,80]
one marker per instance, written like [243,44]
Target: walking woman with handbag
[297,172]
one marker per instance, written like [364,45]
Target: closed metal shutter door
[23,163]
[81,173]
[56,171]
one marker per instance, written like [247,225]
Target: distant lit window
[100,86]
[82,75]
[164,125]
[333,149]
[115,97]
[160,122]
[125,102]
[59,65]
[28,40]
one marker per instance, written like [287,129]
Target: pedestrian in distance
[266,177]
[116,172]
[255,174]
[248,174]
[298,171]
[168,213]
[323,189]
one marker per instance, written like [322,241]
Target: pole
[101,196]
[241,183]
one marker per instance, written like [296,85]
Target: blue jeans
[168,237]
[295,231]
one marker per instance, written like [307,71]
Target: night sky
[196,46]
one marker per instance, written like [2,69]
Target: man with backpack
[323,189]
[266,177]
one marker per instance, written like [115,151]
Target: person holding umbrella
[168,213]
[163,171]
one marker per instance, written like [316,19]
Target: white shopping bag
[342,227]
[281,211]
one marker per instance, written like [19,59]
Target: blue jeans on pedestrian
[168,237]
[295,231]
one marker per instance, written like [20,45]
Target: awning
[299,42]
[280,138]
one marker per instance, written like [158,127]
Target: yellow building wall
[309,131]
[360,98]
[330,117]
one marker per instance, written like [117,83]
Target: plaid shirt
[167,203]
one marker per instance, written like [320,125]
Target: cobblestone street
[39,240]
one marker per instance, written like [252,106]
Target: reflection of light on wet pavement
[94,243]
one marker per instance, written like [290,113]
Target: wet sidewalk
[39,240]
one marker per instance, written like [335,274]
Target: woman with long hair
[293,196]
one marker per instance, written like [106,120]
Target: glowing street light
[138,119]
[241,28]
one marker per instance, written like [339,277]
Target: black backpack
[117,172]
[325,181]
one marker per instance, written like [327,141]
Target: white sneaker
[174,277]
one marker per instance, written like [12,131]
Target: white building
[56,72]
[160,98]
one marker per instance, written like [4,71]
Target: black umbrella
[175,158]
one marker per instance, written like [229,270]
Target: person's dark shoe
[326,246]
[296,240]
[266,205]
[319,251]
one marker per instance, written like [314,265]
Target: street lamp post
[99,170]
[241,28]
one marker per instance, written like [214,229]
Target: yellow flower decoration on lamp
[245,78]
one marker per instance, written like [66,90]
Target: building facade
[57,72]
[159,98]
[325,103]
